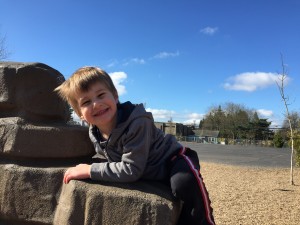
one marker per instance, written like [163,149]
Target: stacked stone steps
[37,145]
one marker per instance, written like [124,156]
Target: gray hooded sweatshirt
[135,149]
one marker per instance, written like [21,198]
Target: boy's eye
[85,103]
[100,95]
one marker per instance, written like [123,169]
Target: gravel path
[252,195]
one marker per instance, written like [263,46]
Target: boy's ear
[116,98]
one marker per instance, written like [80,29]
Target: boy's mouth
[101,112]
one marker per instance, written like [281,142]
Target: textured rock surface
[36,195]
[29,193]
[37,146]
[137,203]
[26,90]
[21,139]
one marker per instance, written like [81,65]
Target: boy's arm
[137,143]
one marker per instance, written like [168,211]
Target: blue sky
[179,57]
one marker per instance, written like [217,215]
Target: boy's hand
[81,171]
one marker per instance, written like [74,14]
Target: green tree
[236,122]
[294,119]
[251,134]
[278,140]
[213,120]
[297,147]
[261,129]
[242,121]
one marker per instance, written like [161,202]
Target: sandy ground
[246,195]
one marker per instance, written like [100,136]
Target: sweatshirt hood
[127,112]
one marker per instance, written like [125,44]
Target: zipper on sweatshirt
[104,150]
[103,145]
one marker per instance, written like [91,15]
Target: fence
[242,142]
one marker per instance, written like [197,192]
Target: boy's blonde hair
[80,81]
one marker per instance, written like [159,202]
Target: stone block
[26,91]
[36,195]
[37,146]
[139,203]
[24,140]
[29,194]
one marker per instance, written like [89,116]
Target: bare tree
[281,86]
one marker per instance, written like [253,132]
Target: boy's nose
[96,103]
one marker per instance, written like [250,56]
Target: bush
[278,140]
[297,148]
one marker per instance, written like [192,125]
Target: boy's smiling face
[98,106]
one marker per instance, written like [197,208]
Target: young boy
[126,136]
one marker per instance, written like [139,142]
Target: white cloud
[209,30]
[161,114]
[112,63]
[276,120]
[251,81]
[163,55]
[193,118]
[118,78]
[134,61]
[265,113]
